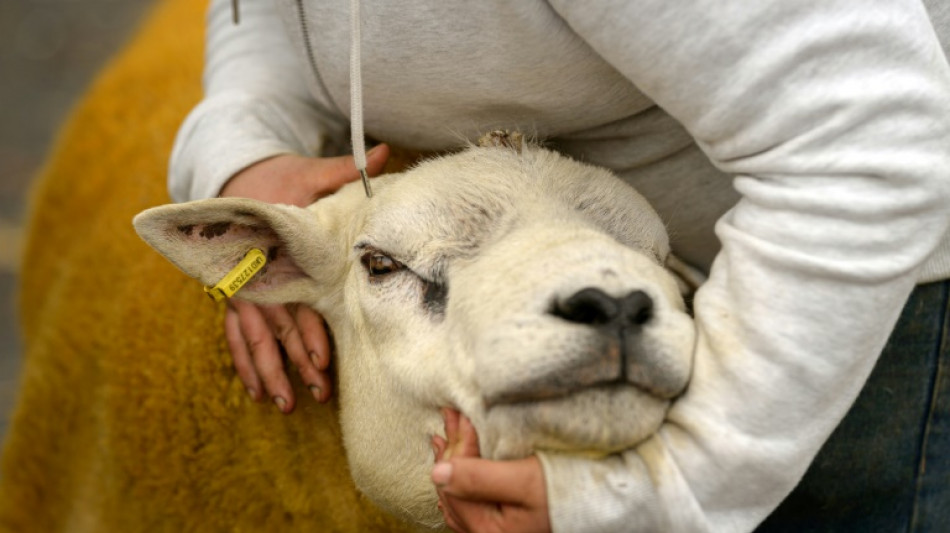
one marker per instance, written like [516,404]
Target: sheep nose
[595,307]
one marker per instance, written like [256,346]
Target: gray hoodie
[798,151]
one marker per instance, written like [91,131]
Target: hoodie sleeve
[834,118]
[256,103]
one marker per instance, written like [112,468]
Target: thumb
[484,480]
[338,171]
[376,159]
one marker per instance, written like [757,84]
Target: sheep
[519,286]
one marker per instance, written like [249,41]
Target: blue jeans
[886,468]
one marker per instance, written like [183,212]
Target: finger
[321,386]
[336,172]
[266,355]
[240,354]
[462,515]
[376,159]
[467,445]
[519,482]
[460,434]
[284,326]
[438,447]
[450,420]
[450,514]
[488,516]
[314,334]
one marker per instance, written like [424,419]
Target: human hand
[256,333]
[298,180]
[486,496]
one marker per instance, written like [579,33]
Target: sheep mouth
[593,421]
[548,393]
[612,369]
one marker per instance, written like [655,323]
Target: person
[800,154]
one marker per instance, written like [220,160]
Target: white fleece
[830,118]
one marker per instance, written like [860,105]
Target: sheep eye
[380,264]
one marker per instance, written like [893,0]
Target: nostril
[595,307]
[588,306]
[637,308]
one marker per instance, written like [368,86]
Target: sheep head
[523,288]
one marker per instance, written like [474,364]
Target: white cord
[356,97]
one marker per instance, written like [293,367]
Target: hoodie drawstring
[356,89]
[356,97]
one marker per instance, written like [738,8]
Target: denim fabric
[887,466]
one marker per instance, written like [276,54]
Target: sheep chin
[595,421]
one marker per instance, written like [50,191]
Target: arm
[834,117]
[256,103]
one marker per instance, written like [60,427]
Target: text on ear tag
[252,263]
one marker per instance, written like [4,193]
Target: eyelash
[378,264]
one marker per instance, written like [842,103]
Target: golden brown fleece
[130,415]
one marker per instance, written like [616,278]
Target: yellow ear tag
[252,263]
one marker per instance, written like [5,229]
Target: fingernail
[442,473]
[281,403]
[314,359]
[316,391]
[252,393]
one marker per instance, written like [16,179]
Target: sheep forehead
[452,205]
[421,221]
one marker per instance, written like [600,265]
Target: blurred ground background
[50,50]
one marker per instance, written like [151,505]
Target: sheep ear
[206,239]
